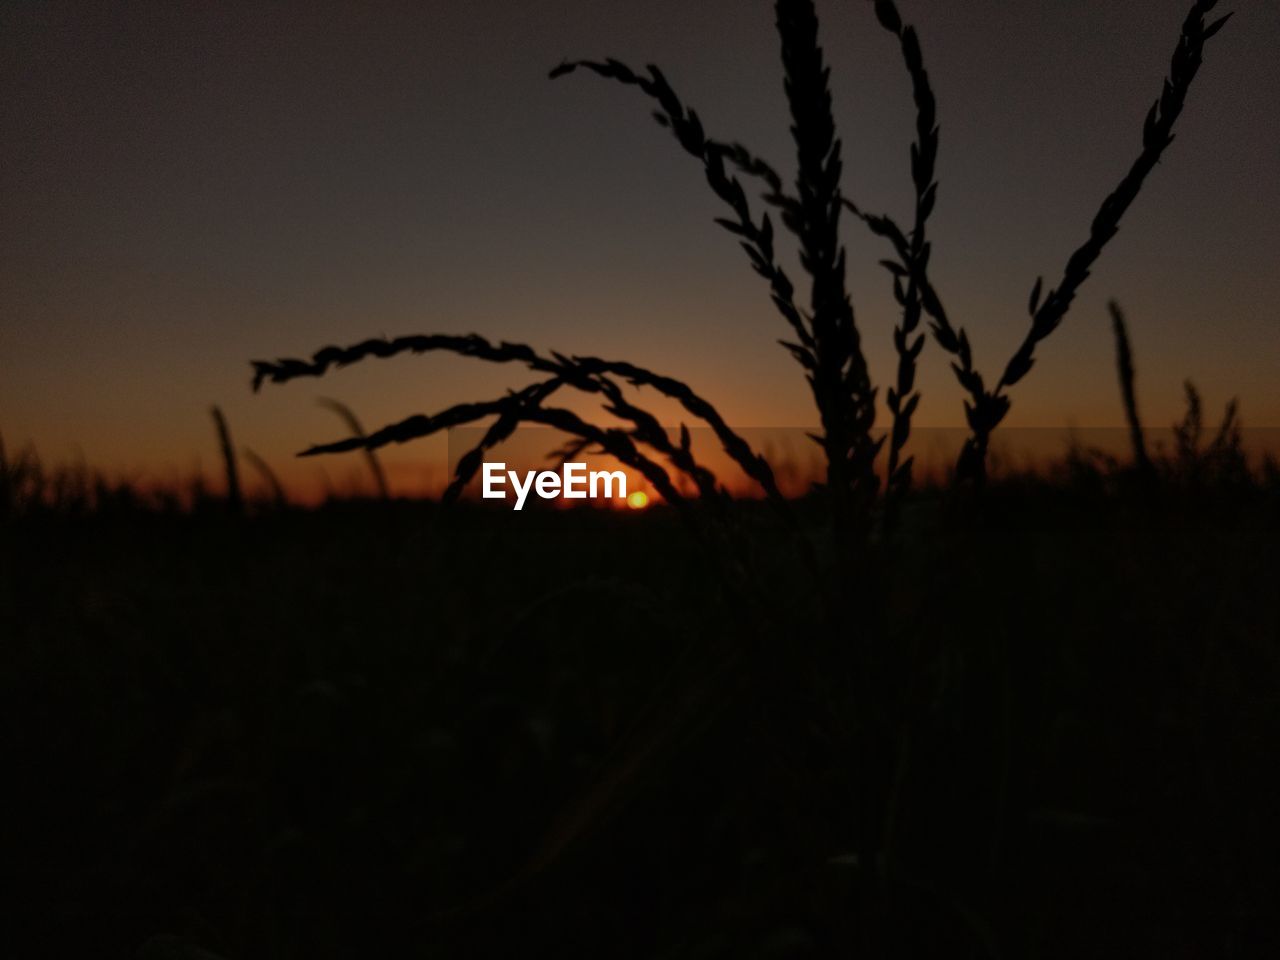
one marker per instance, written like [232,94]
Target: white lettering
[572,484]
[521,492]
[608,477]
[575,473]
[492,480]
[548,485]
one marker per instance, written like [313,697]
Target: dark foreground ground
[375,730]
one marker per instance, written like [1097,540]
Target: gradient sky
[187,186]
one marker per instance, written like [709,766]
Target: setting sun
[638,500]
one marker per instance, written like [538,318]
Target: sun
[637,500]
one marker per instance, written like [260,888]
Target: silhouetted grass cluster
[986,407]
[1195,463]
[826,339]
[849,675]
[29,486]
[1034,722]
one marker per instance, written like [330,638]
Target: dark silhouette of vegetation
[278,496]
[1193,464]
[590,375]
[827,342]
[231,469]
[986,407]
[1222,459]
[323,733]
[858,692]
[1124,367]
[1036,722]
[347,415]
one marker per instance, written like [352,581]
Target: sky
[188,186]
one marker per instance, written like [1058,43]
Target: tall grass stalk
[1128,393]
[348,416]
[278,496]
[231,471]
[827,342]
[987,407]
[913,252]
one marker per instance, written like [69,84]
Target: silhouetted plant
[23,481]
[1222,461]
[1270,472]
[986,408]
[353,423]
[28,487]
[1187,433]
[6,482]
[826,340]
[1124,367]
[269,477]
[827,343]
[1194,464]
[912,249]
[590,375]
[9,482]
[234,500]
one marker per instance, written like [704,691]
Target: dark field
[391,729]
[1005,716]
